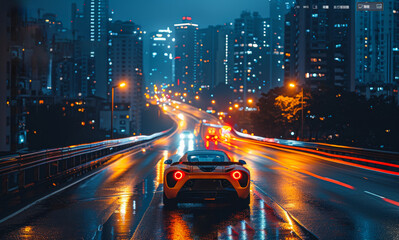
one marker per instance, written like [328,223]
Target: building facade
[275,41]
[251,56]
[322,39]
[161,57]
[377,50]
[90,31]
[125,64]
[215,55]
[186,53]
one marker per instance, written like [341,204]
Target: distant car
[211,138]
[186,135]
[206,176]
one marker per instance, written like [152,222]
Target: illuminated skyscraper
[125,64]
[215,55]
[278,9]
[161,57]
[90,29]
[377,49]
[321,50]
[186,53]
[251,68]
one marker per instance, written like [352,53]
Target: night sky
[154,14]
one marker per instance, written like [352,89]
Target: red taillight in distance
[178,175]
[236,175]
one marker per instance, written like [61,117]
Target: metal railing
[22,171]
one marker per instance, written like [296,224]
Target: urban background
[313,70]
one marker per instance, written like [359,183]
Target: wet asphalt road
[123,200]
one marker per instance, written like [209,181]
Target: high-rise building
[215,55]
[59,48]
[5,36]
[125,64]
[322,43]
[161,57]
[376,50]
[395,44]
[186,53]
[90,30]
[278,9]
[16,75]
[290,33]
[251,66]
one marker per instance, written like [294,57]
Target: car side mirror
[169,161]
[242,162]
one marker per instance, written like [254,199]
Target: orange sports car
[206,176]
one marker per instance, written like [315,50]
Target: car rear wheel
[169,203]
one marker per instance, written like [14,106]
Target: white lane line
[373,194]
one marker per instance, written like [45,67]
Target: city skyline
[248,56]
[165,15]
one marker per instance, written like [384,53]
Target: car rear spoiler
[208,163]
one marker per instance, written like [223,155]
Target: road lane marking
[393,202]
[281,212]
[376,195]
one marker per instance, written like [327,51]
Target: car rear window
[207,158]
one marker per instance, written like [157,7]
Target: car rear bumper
[207,196]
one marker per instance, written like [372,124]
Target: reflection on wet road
[213,221]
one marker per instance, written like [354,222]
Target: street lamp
[121,85]
[292,85]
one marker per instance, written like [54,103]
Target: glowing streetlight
[121,85]
[250,101]
[293,85]
[236,105]
[213,101]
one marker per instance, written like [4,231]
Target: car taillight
[236,175]
[241,177]
[207,137]
[173,177]
[178,175]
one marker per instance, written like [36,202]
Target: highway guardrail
[19,172]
